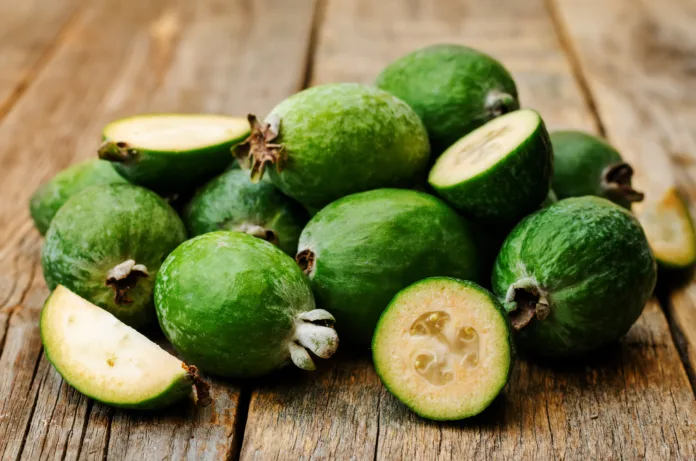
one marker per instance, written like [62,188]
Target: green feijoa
[574,276]
[232,202]
[444,348]
[171,153]
[359,251]
[499,172]
[337,139]
[454,90]
[588,165]
[50,196]
[109,361]
[107,243]
[237,306]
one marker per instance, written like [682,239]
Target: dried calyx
[123,277]
[258,232]
[120,152]
[313,332]
[616,183]
[305,259]
[498,103]
[257,150]
[200,387]
[525,302]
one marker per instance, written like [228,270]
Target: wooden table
[622,68]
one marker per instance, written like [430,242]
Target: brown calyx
[616,182]
[124,277]
[120,152]
[257,150]
[498,103]
[257,231]
[305,259]
[529,306]
[200,387]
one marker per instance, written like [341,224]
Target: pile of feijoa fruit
[427,217]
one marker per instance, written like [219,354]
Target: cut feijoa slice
[172,152]
[670,230]
[499,172]
[443,347]
[108,360]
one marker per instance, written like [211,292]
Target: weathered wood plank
[119,58]
[630,401]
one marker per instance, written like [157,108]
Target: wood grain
[639,61]
[118,58]
[630,401]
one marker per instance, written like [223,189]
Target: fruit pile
[382,215]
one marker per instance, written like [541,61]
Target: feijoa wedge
[50,196]
[670,230]
[499,172]
[172,152]
[444,348]
[232,202]
[109,361]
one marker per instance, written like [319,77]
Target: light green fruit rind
[450,88]
[370,245]
[228,302]
[232,202]
[435,283]
[50,196]
[592,261]
[102,227]
[508,190]
[180,387]
[357,138]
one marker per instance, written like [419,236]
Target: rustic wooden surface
[623,68]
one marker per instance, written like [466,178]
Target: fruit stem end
[257,151]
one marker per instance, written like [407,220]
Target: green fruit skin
[100,228]
[509,190]
[509,343]
[370,245]
[228,301]
[232,200]
[357,138]
[50,196]
[580,160]
[447,86]
[593,261]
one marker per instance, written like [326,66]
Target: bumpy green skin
[228,301]
[100,228]
[510,189]
[592,260]
[580,160]
[231,200]
[448,86]
[370,245]
[344,138]
[50,196]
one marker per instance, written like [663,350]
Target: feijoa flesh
[588,165]
[454,89]
[109,361]
[359,251]
[337,139]
[499,172]
[574,276]
[444,348]
[237,306]
[50,196]
[107,243]
[171,153]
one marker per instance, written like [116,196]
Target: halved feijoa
[499,172]
[172,152]
[50,196]
[587,165]
[232,202]
[670,230]
[108,360]
[443,347]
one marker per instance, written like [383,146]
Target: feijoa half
[109,361]
[444,348]
[670,230]
[499,172]
[172,152]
